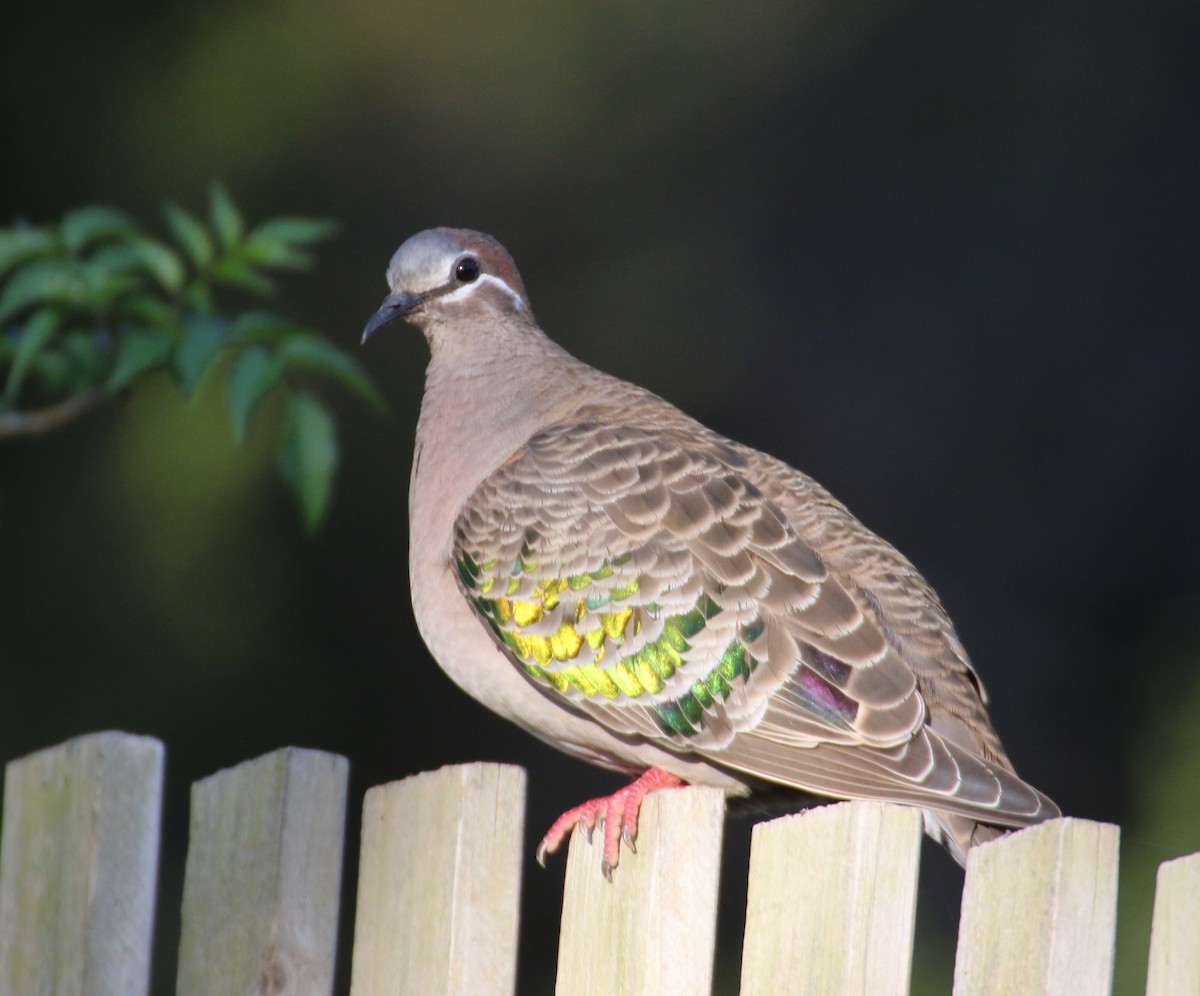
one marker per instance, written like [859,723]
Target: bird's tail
[958,834]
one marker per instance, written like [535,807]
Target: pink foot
[617,812]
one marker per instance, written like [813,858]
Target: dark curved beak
[394,308]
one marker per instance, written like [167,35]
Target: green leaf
[143,256]
[280,255]
[233,269]
[314,353]
[87,355]
[33,338]
[198,296]
[225,217]
[308,457]
[190,234]
[261,326]
[148,311]
[104,282]
[43,282]
[18,245]
[293,231]
[277,243]
[139,350]
[254,373]
[202,339]
[89,225]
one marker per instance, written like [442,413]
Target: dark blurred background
[941,256]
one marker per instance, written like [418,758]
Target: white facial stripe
[461,292]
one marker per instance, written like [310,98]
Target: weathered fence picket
[439,883]
[1039,912]
[1175,936]
[78,866]
[263,877]
[652,929]
[830,909]
[818,925]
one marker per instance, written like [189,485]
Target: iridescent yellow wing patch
[568,633]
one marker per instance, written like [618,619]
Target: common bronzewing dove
[645,594]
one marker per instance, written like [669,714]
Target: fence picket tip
[861,859]
[440,875]
[1174,965]
[79,865]
[263,877]
[652,929]
[1039,911]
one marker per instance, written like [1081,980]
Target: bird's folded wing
[638,574]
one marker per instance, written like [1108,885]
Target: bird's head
[451,274]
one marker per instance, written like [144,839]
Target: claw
[616,814]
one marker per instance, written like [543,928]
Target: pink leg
[619,814]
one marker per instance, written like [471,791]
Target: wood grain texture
[1039,912]
[1175,934]
[651,930]
[832,901]
[439,883]
[78,867]
[263,878]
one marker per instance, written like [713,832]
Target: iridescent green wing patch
[684,715]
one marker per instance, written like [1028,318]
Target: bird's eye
[466,270]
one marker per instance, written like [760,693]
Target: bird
[637,590]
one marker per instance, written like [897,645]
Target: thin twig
[14,425]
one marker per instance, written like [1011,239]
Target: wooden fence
[832,892]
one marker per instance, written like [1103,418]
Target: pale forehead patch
[423,262]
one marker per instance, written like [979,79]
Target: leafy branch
[92,307]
